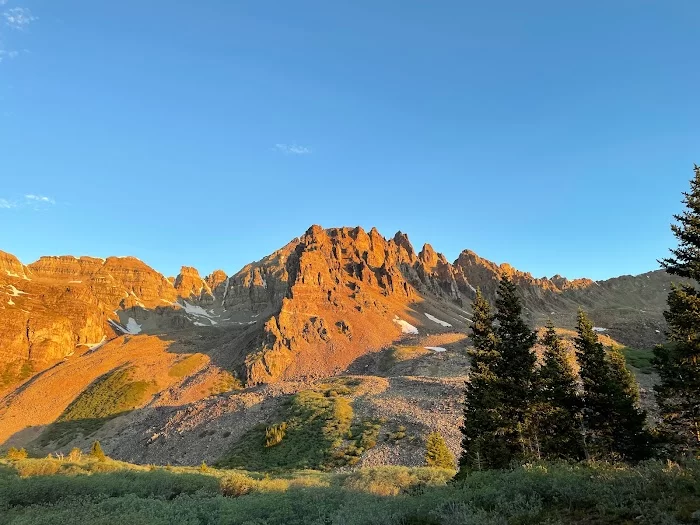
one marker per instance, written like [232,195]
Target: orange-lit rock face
[309,309]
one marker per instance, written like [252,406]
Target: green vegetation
[187,365]
[226,382]
[15,372]
[16,453]
[315,423]
[678,363]
[437,454]
[639,359]
[556,413]
[107,397]
[97,452]
[614,425]
[113,492]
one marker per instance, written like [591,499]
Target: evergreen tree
[515,372]
[97,452]
[613,422]
[678,363]
[557,411]
[482,447]
[436,452]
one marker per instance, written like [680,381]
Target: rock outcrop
[309,309]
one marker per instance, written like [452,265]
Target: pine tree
[515,372]
[613,422]
[557,411]
[678,363]
[97,452]
[482,447]
[436,452]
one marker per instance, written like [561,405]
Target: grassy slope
[112,492]
[315,429]
[109,396]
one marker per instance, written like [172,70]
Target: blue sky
[556,136]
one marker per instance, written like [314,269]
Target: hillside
[183,369]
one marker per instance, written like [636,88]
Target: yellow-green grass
[114,492]
[109,396]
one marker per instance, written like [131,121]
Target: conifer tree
[515,371]
[97,452]
[678,363]
[613,422]
[557,411]
[436,452]
[482,447]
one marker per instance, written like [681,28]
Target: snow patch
[406,327]
[471,288]
[438,321]
[225,291]
[95,346]
[195,310]
[11,274]
[197,323]
[133,327]
[436,348]
[599,329]
[14,292]
[11,302]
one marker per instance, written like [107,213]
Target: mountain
[75,330]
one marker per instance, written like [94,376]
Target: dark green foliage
[613,422]
[498,397]
[678,363]
[109,396]
[482,447]
[515,370]
[556,494]
[556,413]
[436,452]
[97,452]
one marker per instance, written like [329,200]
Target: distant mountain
[309,309]
[153,366]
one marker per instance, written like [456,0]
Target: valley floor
[52,490]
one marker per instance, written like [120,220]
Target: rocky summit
[215,352]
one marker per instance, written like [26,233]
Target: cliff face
[309,309]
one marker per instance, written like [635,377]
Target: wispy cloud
[40,198]
[18,17]
[4,203]
[292,149]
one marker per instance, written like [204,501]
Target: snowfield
[438,321]
[406,327]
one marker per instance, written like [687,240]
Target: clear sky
[554,135]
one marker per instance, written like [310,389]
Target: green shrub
[97,452]
[437,454]
[16,453]
[316,425]
[274,434]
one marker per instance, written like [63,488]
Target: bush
[97,452]
[16,453]
[274,434]
[75,455]
[437,454]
